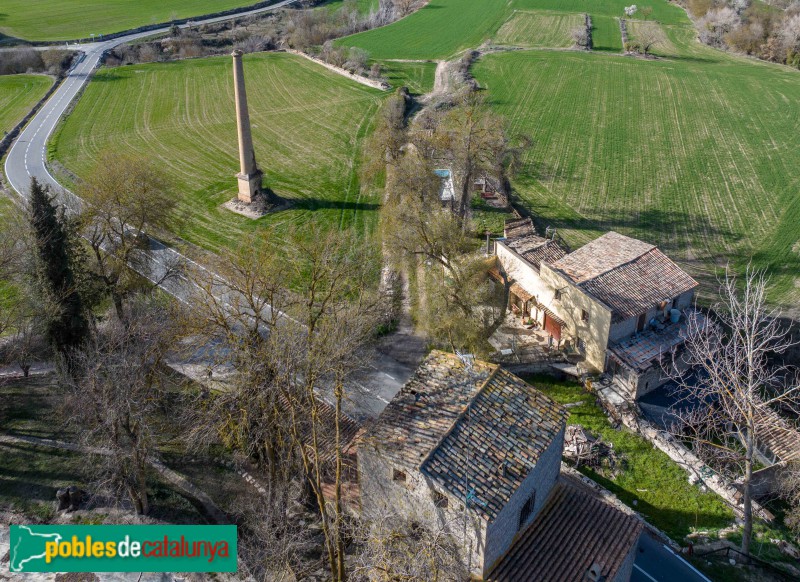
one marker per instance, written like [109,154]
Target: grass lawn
[660,487]
[697,154]
[73,19]
[662,11]
[417,76]
[539,29]
[18,93]
[308,125]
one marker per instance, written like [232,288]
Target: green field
[439,30]
[445,27]
[606,35]
[696,154]
[308,125]
[73,19]
[18,93]
[539,29]
[417,76]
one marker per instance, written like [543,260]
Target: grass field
[72,19]
[660,488]
[664,47]
[417,76]
[662,11]
[308,125]
[606,35]
[445,27]
[439,30]
[539,29]
[695,154]
[18,93]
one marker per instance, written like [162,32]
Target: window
[557,296]
[584,315]
[439,499]
[527,510]
[581,346]
[398,475]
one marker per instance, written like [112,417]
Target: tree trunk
[339,529]
[747,533]
[118,308]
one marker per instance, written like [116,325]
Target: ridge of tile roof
[601,255]
[496,442]
[477,434]
[573,531]
[626,274]
[426,407]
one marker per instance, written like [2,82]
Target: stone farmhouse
[618,302]
[469,448]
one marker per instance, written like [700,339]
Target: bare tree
[647,37]
[580,37]
[126,197]
[734,382]
[404,7]
[475,142]
[296,325]
[112,394]
[790,491]
[395,547]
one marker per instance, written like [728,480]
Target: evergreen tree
[67,326]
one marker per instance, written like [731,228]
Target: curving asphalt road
[27,158]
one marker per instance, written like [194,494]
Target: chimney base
[249,186]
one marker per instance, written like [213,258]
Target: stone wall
[414,500]
[698,471]
[573,301]
[540,481]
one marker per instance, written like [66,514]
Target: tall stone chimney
[249,175]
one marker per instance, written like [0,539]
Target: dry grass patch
[539,28]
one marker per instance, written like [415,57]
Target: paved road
[655,562]
[27,155]
[27,158]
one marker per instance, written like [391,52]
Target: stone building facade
[466,448]
[617,301]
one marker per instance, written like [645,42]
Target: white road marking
[390,376]
[644,572]
[681,558]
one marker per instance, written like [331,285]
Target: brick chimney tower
[249,175]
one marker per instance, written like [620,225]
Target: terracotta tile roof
[536,249]
[426,407]
[326,423]
[628,275]
[573,531]
[521,237]
[603,254]
[517,227]
[495,443]
[777,435]
[478,434]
